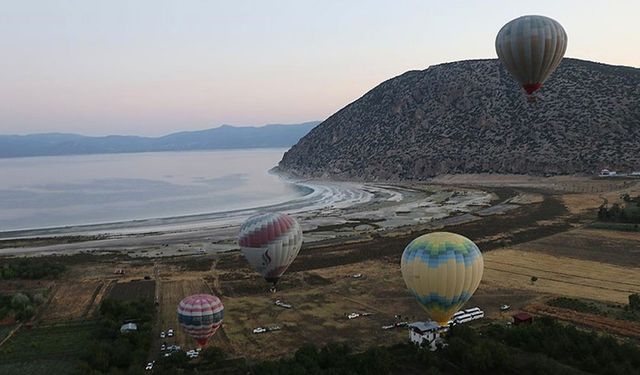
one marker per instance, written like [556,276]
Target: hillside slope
[471,117]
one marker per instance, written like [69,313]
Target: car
[149,366]
[504,307]
[389,327]
[282,304]
[170,333]
[162,335]
[163,347]
[259,330]
[353,316]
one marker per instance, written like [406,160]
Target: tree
[19,301]
[533,279]
[634,302]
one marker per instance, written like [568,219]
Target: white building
[425,334]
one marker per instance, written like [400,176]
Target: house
[129,327]
[522,318]
[425,334]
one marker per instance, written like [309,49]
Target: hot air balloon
[270,242]
[200,316]
[531,48]
[442,270]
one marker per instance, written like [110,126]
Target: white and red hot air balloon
[270,242]
[200,316]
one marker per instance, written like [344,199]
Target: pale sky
[152,67]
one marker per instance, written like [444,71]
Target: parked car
[504,307]
[259,330]
[150,366]
[170,333]
[163,347]
[353,316]
[162,335]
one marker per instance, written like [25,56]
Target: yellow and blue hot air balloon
[442,270]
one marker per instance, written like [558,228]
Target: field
[46,349]
[72,301]
[134,290]
[563,276]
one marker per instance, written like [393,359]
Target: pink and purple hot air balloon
[270,242]
[200,316]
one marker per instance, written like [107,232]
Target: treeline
[116,352]
[626,212]
[544,347]
[579,349]
[32,269]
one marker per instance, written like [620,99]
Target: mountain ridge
[471,117]
[223,137]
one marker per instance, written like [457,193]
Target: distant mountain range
[223,137]
[471,117]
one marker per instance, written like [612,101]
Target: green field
[48,349]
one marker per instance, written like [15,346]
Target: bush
[634,302]
[30,269]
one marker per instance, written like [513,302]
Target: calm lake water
[56,191]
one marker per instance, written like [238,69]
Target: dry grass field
[562,276]
[318,315]
[72,300]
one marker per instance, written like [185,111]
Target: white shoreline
[333,210]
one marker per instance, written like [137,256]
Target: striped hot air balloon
[442,270]
[200,316]
[270,242]
[531,48]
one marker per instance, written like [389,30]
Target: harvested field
[72,300]
[563,276]
[598,245]
[134,290]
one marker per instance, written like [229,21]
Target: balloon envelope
[270,242]
[442,270]
[200,316]
[531,48]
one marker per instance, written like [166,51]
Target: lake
[55,191]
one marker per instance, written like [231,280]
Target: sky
[151,67]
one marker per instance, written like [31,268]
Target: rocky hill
[471,117]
